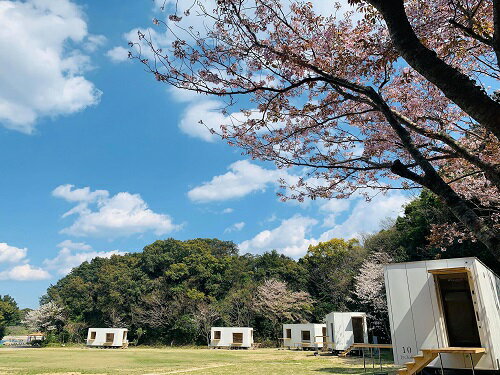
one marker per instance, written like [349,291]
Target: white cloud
[327,7]
[99,214]
[206,111]
[85,195]
[66,259]
[236,227]
[203,115]
[94,42]
[289,238]
[68,244]
[227,210]
[24,272]
[242,179]
[366,217]
[40,75]
[293,236]
[185,96]
[118,54]
[11,254]
[334,208]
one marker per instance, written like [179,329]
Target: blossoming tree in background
[275,302]
[395,100]
[370,291]
[48,318]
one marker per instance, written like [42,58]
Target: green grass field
[76,361]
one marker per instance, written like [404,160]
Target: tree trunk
[496,32]
[456,86]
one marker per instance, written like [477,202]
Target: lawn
[76,361]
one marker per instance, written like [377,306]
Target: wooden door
[357,330]
[458,309]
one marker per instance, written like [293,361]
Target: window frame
[305,335]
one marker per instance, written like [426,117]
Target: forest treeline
[173,291]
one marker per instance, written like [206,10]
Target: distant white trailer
[444,313]
[107,337]
[345,329]
[301,336]
[231,337]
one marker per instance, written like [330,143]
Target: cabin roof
[431,260]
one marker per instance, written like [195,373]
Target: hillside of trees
[174,291]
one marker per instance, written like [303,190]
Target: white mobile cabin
[345,329]
[444,313]
[107,337]
[231,337]
[301,336]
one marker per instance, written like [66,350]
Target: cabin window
[92,335]
[216,335]
[110,337]
[238,338]
[323,332]
[124,335]
[332,332]
[288,333]
[306,335]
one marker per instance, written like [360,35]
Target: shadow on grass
[344,370]
[339,370]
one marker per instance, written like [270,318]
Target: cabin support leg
[441,364]
[379,359]
[373,358]
[364,359]
[471,364]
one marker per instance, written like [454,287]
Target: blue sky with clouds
[100,159]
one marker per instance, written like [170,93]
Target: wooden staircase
[346,351]
[428,355]
[418,363]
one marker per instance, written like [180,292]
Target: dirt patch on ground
[189,370]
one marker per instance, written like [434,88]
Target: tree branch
[455,85]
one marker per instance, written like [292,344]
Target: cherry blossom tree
[274,301]
[395,100]
[205,316]
[370,291]
[48,318]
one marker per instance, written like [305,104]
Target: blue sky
[98,158]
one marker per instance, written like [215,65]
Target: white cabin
[446,309]
[345,329]
[231,337]
[301,336]
[107,337]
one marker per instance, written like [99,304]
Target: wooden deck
[364,346]
[457,350]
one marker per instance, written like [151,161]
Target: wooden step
[345,352]
[419,362]
[428,355]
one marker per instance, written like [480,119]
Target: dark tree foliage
[408,238]
[10,314]
[161,290]
[171,291]
[332,266]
